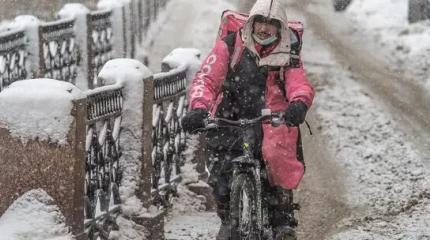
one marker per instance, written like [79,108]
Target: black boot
[283,221]
[285,227]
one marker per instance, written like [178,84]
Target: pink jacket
[279,143]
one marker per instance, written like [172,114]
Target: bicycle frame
[248,164]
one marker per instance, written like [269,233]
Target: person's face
[265,28]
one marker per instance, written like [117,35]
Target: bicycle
[249,213]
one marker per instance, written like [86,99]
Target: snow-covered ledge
[38,109]
[188,58]
[42,144]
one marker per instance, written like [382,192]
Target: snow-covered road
[386,185]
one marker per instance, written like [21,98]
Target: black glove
[296,113]
[193,120]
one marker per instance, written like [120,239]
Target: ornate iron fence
[12,57]
[59,53]
[103,173]
[168,137]
[100,43]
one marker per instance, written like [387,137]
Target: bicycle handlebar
[274,118]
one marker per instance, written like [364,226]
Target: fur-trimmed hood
[275,9]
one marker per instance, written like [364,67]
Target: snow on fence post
[79,12]
[42,145]
[30,25]
[418,10]
[118,25]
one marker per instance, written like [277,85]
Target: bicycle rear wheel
[243,204]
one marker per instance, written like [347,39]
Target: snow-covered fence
[58,52]
[12,57]
[75,47]
[42,145]
[100,38]
[168,137]
[102,171]
[109,152]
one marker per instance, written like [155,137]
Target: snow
[386,23]
[72,10]
[387,185]
[34,216]
[188,220]
[184,57]
[38,109]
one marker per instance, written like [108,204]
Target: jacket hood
[275,9]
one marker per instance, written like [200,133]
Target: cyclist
[244,73]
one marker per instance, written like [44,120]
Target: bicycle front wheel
[243,204]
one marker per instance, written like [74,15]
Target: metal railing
[102,168]
[60,54]
[13,57]
[168,137]
[100,43]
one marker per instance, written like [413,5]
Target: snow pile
[129,74]
[34,216]
[188,57]
[38,109]
[72,10]
[188,219]
[385,21]
[386,181]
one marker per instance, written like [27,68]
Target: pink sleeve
[298,86]
[207,82]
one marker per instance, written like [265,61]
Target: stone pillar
[48,151]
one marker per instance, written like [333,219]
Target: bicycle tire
[241,228]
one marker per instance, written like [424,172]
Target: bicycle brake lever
[210,124]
